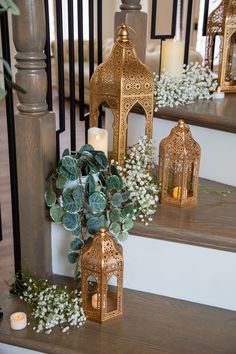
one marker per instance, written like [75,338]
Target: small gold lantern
[228,70]
[101,264]
[179,161]
[122,81]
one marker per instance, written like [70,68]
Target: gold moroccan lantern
[228,71]
[215,27]
[122,81]
[102,277]
[179,161]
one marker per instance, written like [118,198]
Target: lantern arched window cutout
[179,162]
[228,71]
[122,81]
[101,261]
[215,27]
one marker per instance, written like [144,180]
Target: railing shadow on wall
[74,107]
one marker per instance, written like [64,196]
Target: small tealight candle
[18,321]
[177,192]
[95,301]
[98,138]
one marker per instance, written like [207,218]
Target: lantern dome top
[122,73]
[103,254]
[180,143]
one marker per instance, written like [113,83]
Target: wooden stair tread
[216,114]
[150,324]
[212,223]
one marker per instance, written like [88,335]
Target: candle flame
[97,137]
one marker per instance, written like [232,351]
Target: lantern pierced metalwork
[122,81]
[228,71]
[215,27]
[179,162]
[101,262]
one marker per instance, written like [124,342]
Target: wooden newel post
[35,136]
[131,15]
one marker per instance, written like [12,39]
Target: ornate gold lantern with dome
[179,162]
[102,277]
[215,28]
[228,70]
[122,81]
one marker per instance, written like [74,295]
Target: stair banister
[35,136]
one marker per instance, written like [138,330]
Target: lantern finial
[123,34]
[102,231]
[181,124]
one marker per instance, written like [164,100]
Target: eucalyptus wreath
[86,193]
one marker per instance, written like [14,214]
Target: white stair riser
[217,147]
[177,270]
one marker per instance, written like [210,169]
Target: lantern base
[112,311]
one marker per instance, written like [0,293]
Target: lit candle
[177,192]
[95,301]
[172,57]
[98,138]
[18,321]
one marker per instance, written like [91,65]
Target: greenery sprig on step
[84,194]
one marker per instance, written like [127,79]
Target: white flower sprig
[197,83]
[137,176]
[50,305]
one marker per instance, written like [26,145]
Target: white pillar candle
[18,321]
[95,301]
[172,57]
[98,138]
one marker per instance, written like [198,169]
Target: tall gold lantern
[179,161]
[228,71]
[122,81]
[101,263]
[215,27]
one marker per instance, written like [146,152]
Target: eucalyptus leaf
[78,193]
[114,214]
[71,221]
[97,201]
[6,66]
[101,159]
[68,168]
[103,221]
[86,147]
[50,198]
[113,183]
[117,199]
[77,231]
[128,224]
[91,184]
[60,182]
[114,170]
[128,209]
[102,178]
[72,257]
[123,235]
[93,225]
[126,196]
[57,213]
[9,5]
[70,205]
[115,228]
[66,152]
[76,244]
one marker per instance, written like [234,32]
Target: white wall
[10,349]
[177,270]
[216,161]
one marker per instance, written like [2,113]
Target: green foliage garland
[84,194]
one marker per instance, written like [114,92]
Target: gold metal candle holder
[122,81]
[228,70]
[179,161]
[215,27]
[102,262]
